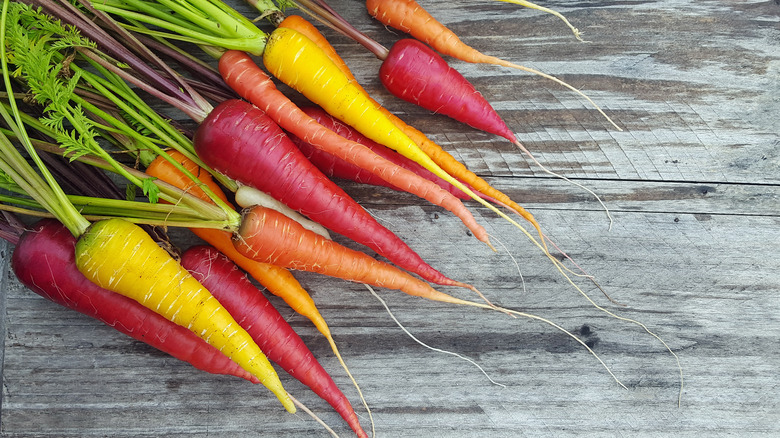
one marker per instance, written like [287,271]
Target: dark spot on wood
[585,330]
[591,343]
[173,384]
[705,190]
[677,219]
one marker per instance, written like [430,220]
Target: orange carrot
[268,236]
[247,79]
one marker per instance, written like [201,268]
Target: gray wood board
[692,183]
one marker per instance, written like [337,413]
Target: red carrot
[242,142]
[44,261]
[255,313]
[438,88]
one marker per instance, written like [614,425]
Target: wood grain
[693,185]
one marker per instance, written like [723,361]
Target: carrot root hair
[558,175]
[544,320]
[527,4]
[439,350]
[316,418]
[503,63]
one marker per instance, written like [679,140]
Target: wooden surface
[693,185]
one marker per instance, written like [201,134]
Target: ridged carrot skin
[44,261]
[242,142]
[119,256]
[255,313]
[268,236]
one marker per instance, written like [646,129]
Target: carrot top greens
[86,106]
[202,22]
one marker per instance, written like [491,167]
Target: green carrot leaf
[151,190]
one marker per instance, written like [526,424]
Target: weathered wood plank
[692,183]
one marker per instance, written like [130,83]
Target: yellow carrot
[119,256]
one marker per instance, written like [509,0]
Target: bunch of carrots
[253,180]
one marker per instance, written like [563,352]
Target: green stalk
[122,102]
[147,219]
[168,193]
[220,25]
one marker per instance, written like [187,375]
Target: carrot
[441,157]
[255,313]
[248,80]
[268,236]
[440,88]
[117,255]
[248,196]
[268,161]
[409,17]
[43,260]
